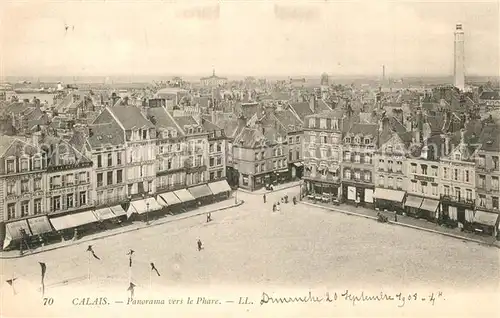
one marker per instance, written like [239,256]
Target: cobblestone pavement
[253,249]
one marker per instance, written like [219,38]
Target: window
[290,155]
[212,161]
[494,160]
[457,157]
[468,194]
[290,140]
[322,123]
[455,174]
[434,189]
[262,155]
[219,174]
[119,158]
[24,165]
[434,171]
[110,159]
[482,200]
[212,176]
[424,169]
[389,165]
[119,176]
[109,178]
[467,176]
[69,201]
[262,167]
[399,166]
[423,187]
[83,198]
[11,187]
[25,186]
[178,147]
[219,147]
[297,155]
[357,158]
[99,180]
[219,161]
[390,182]
[347,174]
[144,134]
[381,180]
[312,122]
[446,190]
[56,203]
[323,140]
[24,208]
[399,183]
[494,203]
[482,161]
[37,206]
[458,193]
[367,141]
[347,156]
[494,183]
[347,140]
[297,139]
[211,148]
[368,158]
[37,163]
[70,179]
[323,153]
[368,176]
[99,161]
[10,166]
[413,168]
[11,211]
[257,168]
[445,173]
[357,175]
[129,188]
[55,182]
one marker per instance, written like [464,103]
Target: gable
[395,143]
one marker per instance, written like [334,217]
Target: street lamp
[147,213]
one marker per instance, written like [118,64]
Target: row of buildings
[427,169]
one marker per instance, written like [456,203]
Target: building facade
[322,149]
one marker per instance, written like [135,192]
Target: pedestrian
[209,217]
[395,217]
[278,207]
[200,245]
[294,201]
[264,197]
[274,207]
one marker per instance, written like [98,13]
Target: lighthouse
[459,65]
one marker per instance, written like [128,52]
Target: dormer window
[458,156]
[199,129]
[174,133]
[11,166]
[24,164]
[312,122]
[347,140]
[37,163]
[367,141]
[99,137]
[357,140]
[144,134]
[335,124]
[190,131]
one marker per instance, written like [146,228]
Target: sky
[235,37]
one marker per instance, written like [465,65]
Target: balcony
[110,201]
[468,203]
[170,187]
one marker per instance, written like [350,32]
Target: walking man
[209,217]
[200,245]
[264,196]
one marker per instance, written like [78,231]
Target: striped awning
[39,225]
[485,218]
[429,205]
[73,220]
[14,228]
[219,187]
[104,214]
[184,195]
[170,198]
[389,195]
[413,201]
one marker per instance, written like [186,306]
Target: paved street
[251,246]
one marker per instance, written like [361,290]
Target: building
[357,169]
[260,157]
[67,179]
[217,147]
[487,179]
[22,167]
[459,59]
[458,182]
[322,150]
[213,81]
[170,151]
[390,167]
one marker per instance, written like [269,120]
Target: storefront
[413,204]
[297,170]
[357,193]
[220,189]
[388,199]
[143,208]
[457,212]
[281,176]
[185,197]
[429,209]
[484,222]
[322,191]
[67,225]
[14,232]
[201,193]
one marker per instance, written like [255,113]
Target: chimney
[213,117]
[462,136]
[36,138]
[446,144]
[408,124]
[381,125]
[416,134]
[312,103]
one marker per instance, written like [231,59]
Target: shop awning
[104,214]
[388,194]
[184,195]
[219,187]
[413,201]
[298,164]
[429,205]
[39,225]
[14,229]
[73,220]
[145,205]
[118,210]
[161,201]
[170,198]
[486,218]
[131,210]
[200,191]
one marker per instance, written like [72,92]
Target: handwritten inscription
[400,299]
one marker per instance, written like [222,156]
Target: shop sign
[423,178]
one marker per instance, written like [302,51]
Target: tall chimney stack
[459,59]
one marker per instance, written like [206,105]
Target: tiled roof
[490,138]
[336,113]
[494,95]
[209,126]
[64,148]
[5,142]
[301,109]
[288,120]
[185,121]
[106,131]
[253,137]
[162,119]
[130,117]
[364,129]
